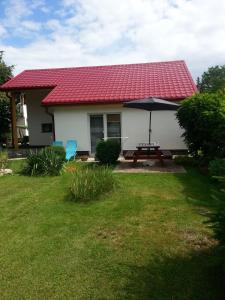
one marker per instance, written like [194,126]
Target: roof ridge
[102,66]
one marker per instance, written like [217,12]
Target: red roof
[108,84]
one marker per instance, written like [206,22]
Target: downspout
[53,121]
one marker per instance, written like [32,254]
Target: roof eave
[96,102]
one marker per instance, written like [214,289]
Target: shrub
[59,151]
[202,117]
[217,167]
[3,159]
[185,160]
[44,162]
[107,152]
[90,183]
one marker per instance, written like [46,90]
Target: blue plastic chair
[57,143]
[71,149]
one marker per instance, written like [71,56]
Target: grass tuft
[90,183]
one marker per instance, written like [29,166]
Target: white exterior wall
[73,123]
[36,115]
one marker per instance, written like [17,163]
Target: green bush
[59,151]
[107,152]
[217,167]
[91,183]
[3,159]
[185,160]
[44,162]
[202,117]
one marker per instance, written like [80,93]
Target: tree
[5,116]
[212,80]
[5,70]
[202,117]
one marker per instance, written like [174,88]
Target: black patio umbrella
[151,104]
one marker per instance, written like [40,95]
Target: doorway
[104,126]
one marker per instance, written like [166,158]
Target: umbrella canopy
[151,104]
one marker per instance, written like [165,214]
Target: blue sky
[47,33]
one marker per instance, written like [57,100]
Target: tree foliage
[212,80]
[5,74]
[5,70]
[202,117]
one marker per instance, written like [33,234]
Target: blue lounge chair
[71,149]
[57,143]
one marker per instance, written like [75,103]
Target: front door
[97,130]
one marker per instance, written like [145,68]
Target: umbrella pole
[150,127]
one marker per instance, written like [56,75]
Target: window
[113,126]
[46,127]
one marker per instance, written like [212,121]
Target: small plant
[107,152]
[3,159]
[90,183]
[44,162]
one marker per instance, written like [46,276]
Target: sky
[64,33]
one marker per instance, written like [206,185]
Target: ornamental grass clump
[59,151]
[44,162]
[90,183]
[3,159]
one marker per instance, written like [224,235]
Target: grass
[146,240]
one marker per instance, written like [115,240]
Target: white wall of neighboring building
[72,122]
[36,115]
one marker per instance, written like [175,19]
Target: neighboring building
[86,103]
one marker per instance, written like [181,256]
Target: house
[86,103]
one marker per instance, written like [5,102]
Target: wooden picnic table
[148,151]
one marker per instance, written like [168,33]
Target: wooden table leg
[160,157]
[135,157]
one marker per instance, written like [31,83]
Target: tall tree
[5,117]
[212,80]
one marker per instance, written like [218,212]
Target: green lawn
[146,240]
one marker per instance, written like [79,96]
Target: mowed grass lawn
[146,240]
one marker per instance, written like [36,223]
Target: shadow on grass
[200,190]
[198,276]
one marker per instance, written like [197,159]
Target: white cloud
[124,31]
[15,11]
[17,17]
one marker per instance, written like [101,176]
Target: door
[96,130]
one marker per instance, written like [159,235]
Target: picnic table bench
[147,151]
